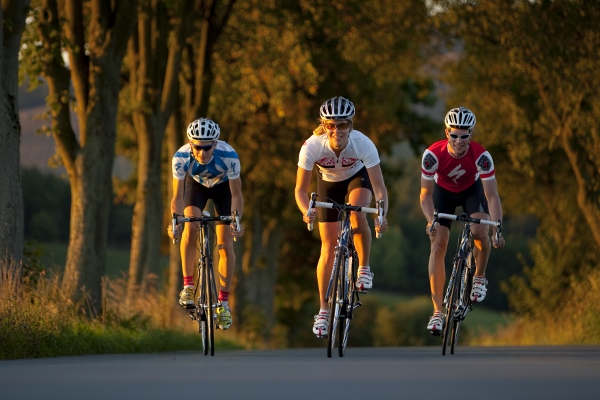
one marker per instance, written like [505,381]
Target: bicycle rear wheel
[335,306]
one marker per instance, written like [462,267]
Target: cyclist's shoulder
[183,151]
[224,149]
[437,147]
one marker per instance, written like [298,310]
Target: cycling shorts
[472,200]
[337,192]
[197,195]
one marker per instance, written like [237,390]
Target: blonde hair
[319,130]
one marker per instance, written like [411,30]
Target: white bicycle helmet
[460,118]
[337,108]
[203,129]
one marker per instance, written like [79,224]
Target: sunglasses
[204,148]
[339,127]
[463,137]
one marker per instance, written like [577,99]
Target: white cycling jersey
[359,152]
[223,166]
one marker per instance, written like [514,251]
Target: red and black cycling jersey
[456,174]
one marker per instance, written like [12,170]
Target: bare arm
[177,200]
[426,201]
[301,193]
[237,204]
[379,189]
[490,187]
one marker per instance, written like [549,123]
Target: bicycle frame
[341,293]
[457,298]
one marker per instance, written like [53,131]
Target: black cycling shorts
[337,191]
[472,200]
[197,195]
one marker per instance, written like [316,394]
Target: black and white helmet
[460,118]
[203,129]
[337,108]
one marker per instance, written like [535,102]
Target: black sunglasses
[199,147]
[463,137]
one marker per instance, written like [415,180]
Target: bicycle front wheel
[202,311]
[210,305]
[452,306]
[335,306]
[351,299]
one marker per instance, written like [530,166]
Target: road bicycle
[457,300]
[342,295]
[205,308]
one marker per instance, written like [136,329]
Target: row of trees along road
[261,69]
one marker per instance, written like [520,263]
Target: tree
[274,67]
[12,20]
[529,70]
[154,60]
[94,34]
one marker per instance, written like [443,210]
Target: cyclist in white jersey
[348,166]
[207,168]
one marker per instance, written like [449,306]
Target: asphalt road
[364,373]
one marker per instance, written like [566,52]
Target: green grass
[54,255]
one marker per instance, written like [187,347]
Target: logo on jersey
[484,163]
[456,173]
[233,165]
[429,162]
[327,162]
[346,162]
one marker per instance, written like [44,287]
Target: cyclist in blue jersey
[205,169]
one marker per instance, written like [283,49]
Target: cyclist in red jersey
[458,172]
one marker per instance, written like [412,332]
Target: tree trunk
[94,69]
[154,66]
[587,194]
[12,20]
[174,142]
[254,285]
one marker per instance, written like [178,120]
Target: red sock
[188,280]
[223,296]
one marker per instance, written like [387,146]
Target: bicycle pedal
[437,333]
[356,305]
[193,316]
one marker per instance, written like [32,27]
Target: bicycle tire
[351,296]
[202,317]
[461,292]
[211,304]
[467,283]
[334,309]
[452,298]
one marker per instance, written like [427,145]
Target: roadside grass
[37,320]
[575,322]
[401,320]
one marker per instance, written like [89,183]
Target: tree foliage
[276,63]
[529,71]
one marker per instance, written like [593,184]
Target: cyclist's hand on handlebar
[432,231]
[498,242]
[310,218]
[380,228]
[234,230]
[173,235]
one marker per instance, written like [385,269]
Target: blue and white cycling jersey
[223,166]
